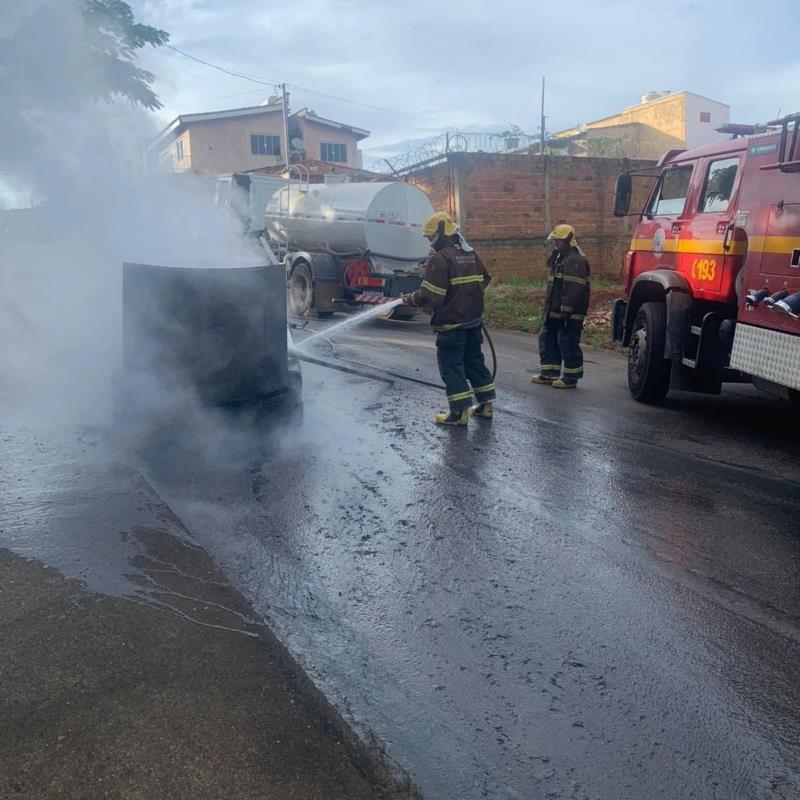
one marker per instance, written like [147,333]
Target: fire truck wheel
[301,289]
[648,370]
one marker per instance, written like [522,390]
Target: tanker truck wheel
[301,289]
[648,370]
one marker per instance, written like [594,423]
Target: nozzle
[755,296]
[790,305]
[772,299]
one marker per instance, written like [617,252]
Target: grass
[516,304]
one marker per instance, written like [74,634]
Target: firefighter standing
[565,307]
[453,283]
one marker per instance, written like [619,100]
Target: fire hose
[376,373]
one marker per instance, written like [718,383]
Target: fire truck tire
[648,370]
[301,289]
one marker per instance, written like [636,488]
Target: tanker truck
[349,244]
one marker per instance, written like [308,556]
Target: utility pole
[286,144]
[541,144]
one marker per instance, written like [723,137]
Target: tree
[114,36]
[64,52]
[513,132]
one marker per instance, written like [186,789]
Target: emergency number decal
[741,219]
[763,149]
[704,269]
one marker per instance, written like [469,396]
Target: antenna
[285,112]
[541,144]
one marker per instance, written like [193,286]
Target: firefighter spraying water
[453,284]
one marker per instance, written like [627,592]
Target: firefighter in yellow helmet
[453,283]
[565,307]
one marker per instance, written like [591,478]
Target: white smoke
[81,163]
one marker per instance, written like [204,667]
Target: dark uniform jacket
[453,284]
[568,286]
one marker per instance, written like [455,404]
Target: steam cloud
[79,163]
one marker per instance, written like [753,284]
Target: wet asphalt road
[585,598]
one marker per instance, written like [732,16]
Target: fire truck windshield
[670,196]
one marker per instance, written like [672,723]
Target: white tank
[384,218]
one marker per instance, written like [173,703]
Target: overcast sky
[477,64]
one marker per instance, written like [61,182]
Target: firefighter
[453,283]
[565,307]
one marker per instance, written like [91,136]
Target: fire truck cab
[712,277]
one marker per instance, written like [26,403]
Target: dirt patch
[181,693]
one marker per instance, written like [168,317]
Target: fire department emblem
[658,242]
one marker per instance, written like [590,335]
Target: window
[179,150]
[670,195]
[705,116]
[719,186]
[334,152]
[265,144]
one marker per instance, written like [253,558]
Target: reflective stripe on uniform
[570,279]
[445,328]
[577,316]
[437,290]
[567,309]
[550,366]
[459,396]
[573,371]
[466,279]
[483,389]
[556,315]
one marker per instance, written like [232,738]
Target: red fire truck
[712,278]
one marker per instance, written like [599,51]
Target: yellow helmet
[440,218]
[562,232]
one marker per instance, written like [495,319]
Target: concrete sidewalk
[178,694]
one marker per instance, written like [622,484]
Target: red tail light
[376,282]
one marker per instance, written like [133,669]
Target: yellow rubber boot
[483,410]
[453,418]
[543,380]
[562,384]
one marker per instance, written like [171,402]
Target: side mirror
[622,195]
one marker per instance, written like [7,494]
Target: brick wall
[436,182]
[508,203]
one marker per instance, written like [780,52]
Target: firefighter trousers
[463,368]
[560,342]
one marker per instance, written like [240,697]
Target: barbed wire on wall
[458,142]
[438,148]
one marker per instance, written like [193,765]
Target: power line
[236,94]
[367,105]
[243,75]
[266,82]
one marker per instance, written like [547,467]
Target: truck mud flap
[618,322]
[700,367]
[678,305]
